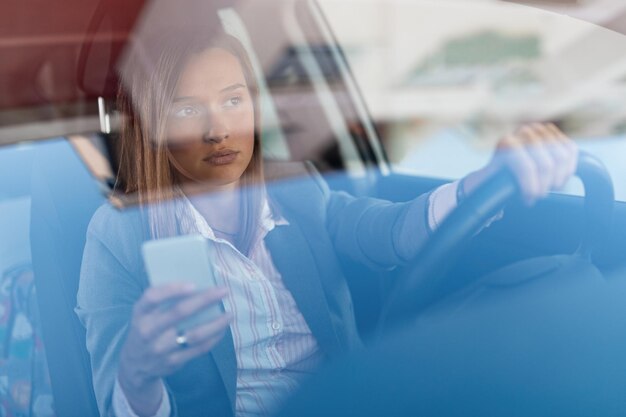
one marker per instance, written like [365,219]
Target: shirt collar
[192,222]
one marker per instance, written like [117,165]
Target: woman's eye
[233,101]
[186,112]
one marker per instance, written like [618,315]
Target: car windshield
[228,200]
[452,77]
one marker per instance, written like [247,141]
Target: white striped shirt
[273,344]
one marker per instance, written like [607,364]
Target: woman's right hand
[151,351]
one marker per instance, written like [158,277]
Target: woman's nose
[214,137]
[216,133]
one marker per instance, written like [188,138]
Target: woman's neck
[220,208]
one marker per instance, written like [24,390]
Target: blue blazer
[323,227]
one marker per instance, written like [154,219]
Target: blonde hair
[145,171]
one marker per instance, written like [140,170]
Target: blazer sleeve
[374,232]
[111,280]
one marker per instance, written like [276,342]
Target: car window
[24,378]
[387,100]
[445,80]
[59,124]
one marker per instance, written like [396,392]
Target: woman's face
[210,127]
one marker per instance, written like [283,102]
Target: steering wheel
[423,283]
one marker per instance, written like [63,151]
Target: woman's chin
[212,184]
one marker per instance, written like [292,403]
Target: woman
[190,153]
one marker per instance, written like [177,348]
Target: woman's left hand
[540,157]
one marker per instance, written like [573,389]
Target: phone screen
[184,259]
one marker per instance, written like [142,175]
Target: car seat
[64,197]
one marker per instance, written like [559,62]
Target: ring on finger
[181,340]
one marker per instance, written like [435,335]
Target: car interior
[58,132]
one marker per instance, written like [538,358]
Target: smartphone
[186,258]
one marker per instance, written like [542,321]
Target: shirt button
[276,325]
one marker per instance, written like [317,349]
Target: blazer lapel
[293,259]
[224,356]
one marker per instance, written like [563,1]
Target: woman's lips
[221,157]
